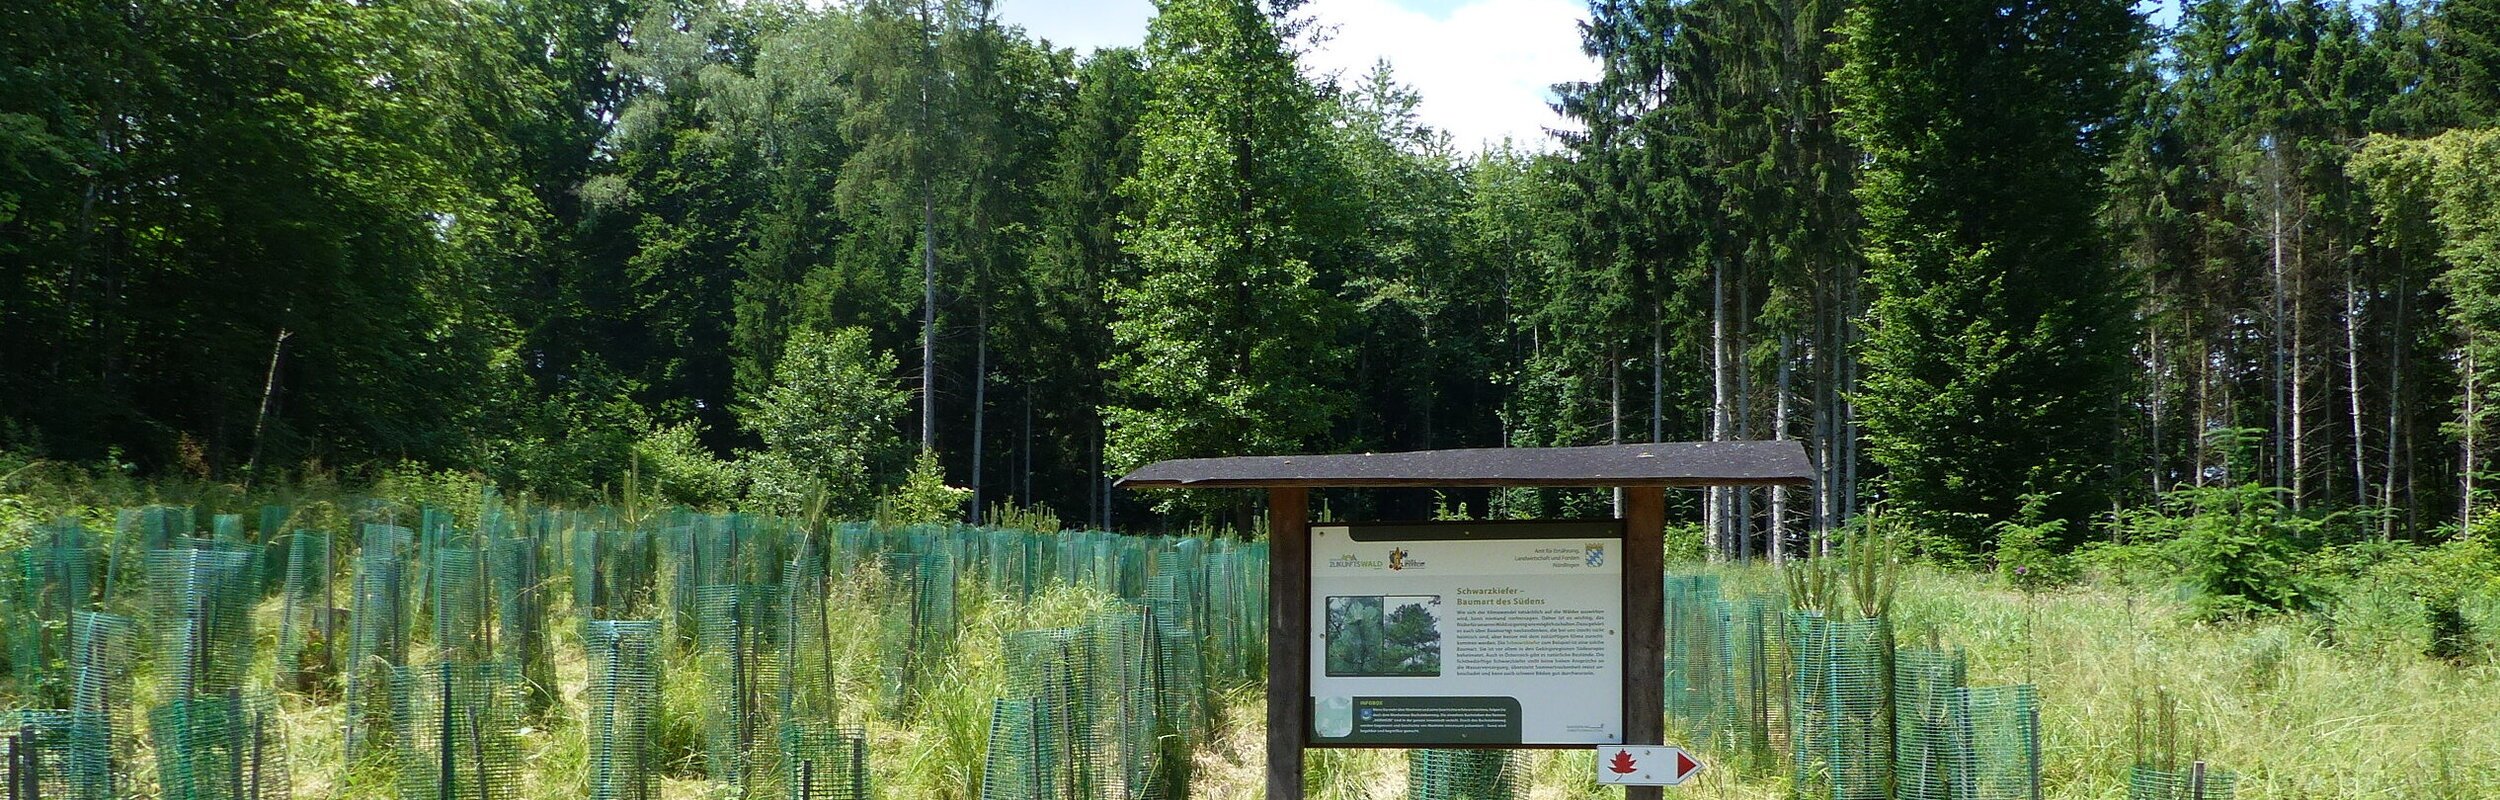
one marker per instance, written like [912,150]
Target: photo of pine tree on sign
[1362,642]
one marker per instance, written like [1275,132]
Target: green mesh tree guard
[1013,768]
[821,761]
[153,527]
[201,605]
[1998,727]
[926,582]
[456,725]
[2149,782]
[623,696]
[520,589]
[228,529]
[1463,775]
[463,607]
[1127,750]
[807,690]
[1052,673]
[613,573]
[56,754]
[226,747]
[740,639]
[1840,727]
[102,650]
[1184,706]
[1930,748]
[45,583]
[1236,615]
[1726,670]
[380,636]
[306,621]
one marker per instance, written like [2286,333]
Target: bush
[923,497]
[828,426]
[2024,558]
[2237,548]
[680,472]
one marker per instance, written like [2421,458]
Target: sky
[1483,67]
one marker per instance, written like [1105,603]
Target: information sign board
[1466,634]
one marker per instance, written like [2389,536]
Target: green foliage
[2026,554]
[922,497]
[1862,574]
[828,425]
[681,472]
[1225,337]
[2236,547]
[1999,334]
[1035,518]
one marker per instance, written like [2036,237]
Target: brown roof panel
[1777,463]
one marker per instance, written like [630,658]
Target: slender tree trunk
[1658,380]
[268,402]
[2282,387]
[1614,411]
[1744,403]
[928,315]
[980,403]
[2154,388]
[1719,508]
[2397,441]
[1779,431]
[2352,389]
[2299,363]
[2465,449]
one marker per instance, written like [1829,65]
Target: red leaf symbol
[1622,763]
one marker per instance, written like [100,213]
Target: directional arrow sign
[1645,766]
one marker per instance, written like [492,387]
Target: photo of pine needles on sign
[1384,636]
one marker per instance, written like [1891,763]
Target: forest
[2012,270]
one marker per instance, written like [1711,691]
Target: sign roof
[1745,463]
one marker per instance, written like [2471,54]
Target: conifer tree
[1995,363]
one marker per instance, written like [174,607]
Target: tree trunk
[1717,511]
[1614,411]
[980,401]
[928,315]
[1779,431]
[2282,387]
[2352,389]
[268,402]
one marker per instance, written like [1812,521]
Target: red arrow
[1685,766]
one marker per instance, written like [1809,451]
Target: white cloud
[1483,67]
[1081,25]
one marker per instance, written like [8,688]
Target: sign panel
[1469,633]
[1645,766]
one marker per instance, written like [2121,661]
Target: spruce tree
[1996,361]
[1225,339]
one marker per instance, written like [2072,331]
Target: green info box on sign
[1439,721]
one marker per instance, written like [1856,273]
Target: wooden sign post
[1643,472]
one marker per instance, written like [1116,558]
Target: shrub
[2024,558]
[679,471]
[828,426]
[923,496]
[2236,547]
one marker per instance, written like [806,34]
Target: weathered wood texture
[1774,463]
[1288,638]
[1644,623]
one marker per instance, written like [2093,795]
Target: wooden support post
[1288,643]
[1644,623]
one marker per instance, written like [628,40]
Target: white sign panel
[1491,633]
[1645,766]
